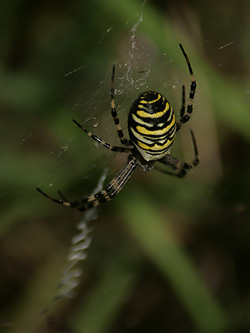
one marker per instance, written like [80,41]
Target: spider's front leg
[113,188]
[179,168]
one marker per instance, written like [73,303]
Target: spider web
[125,82]
[133,75]
[92,108]
[81,241]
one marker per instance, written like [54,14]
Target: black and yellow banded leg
[113,188]
[114,114]
[183,107]
[178,168]
[103,143]
[186,116]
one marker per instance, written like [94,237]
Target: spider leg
[186,117]
[178,168]
[62,196]
[60,201]
[114,114]
[183,107]
[113,188]
[105,144]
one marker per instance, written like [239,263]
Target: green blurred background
[167,255]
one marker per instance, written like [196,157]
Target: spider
[152,129]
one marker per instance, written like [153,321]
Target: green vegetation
[167,255]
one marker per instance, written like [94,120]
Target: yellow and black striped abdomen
[151,125]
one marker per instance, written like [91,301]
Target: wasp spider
[152,129]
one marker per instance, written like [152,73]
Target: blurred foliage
[167,255]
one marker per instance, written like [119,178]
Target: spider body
[152,129]
[151,125]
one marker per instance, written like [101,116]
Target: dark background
[167,255]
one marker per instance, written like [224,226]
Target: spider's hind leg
[114,114]
[102,142]
[182,111]
[185,116]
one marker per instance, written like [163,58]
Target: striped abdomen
[151,125]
